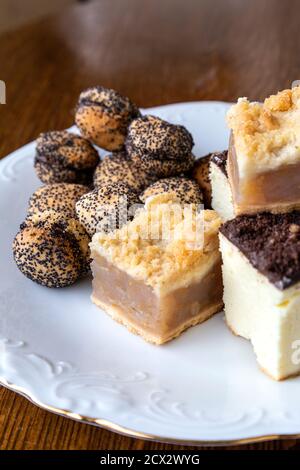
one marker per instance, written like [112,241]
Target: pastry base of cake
[273,208]
[116,313]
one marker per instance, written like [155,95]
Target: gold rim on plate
[113,427]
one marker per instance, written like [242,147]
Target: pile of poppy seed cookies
[148,156]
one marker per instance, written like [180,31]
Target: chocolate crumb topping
[271,242]
[220,159]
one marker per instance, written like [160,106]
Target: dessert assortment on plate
[84,195]
[154,224]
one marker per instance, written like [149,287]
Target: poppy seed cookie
[153,138]
[59,197]
[163,168]
[186,190]
[106,208]
[51,251]
[63,157]
[119,168]
[103,116]
[70,224]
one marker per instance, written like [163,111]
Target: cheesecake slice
[161,273]
[264,153]
[221,192]
[261,276]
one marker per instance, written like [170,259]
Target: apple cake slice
[160,273]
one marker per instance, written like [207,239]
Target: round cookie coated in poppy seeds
[60,197]
[47,252]
[103,116]
[107,208]
[64,157]
[187,190]
[153,138]
[70,225]
[119,168]
[158,168]
[200,173]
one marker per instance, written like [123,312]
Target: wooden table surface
[156,52]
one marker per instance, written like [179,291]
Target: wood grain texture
[155,51]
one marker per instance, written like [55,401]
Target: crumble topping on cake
[161,259]
[271,242]
[269,132]
[283,101]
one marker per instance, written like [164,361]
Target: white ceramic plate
[69,357]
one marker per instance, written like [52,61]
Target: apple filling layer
[158,318]
[276,191]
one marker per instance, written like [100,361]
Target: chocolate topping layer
[220,159]
[271,242]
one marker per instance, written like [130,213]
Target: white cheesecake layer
[221,193]
[258,311]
